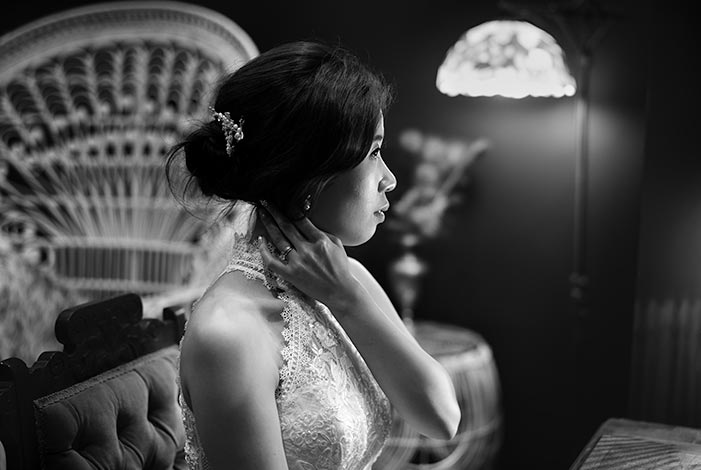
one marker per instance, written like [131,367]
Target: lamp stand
[584,22]
[579,279]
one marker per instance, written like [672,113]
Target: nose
[389,181]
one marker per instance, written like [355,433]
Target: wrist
[345,302]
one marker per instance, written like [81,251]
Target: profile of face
[353,204]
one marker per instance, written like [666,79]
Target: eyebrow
[378,137]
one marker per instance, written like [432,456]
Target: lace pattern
[333,415]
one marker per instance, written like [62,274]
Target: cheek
[341,207]
[354,199]
[335,206]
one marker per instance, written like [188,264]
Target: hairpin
[233,131]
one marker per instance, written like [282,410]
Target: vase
[406,273]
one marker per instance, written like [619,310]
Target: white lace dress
[333,415]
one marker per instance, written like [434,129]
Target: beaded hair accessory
[233,131]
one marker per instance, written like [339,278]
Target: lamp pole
[579,279]
[584,22]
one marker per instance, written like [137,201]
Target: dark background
[502,267]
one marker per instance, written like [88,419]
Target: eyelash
[376,153]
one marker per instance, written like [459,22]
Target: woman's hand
[421,390]
[313,261]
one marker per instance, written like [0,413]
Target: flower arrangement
[418,215]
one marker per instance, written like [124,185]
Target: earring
[307,203]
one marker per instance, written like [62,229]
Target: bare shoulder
[234,332]
[229,365]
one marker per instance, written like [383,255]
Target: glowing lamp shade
[509,58]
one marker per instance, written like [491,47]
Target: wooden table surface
[627,444]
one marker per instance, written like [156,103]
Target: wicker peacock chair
[90,101]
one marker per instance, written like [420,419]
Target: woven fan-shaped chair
[90,101]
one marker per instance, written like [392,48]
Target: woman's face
[351,206]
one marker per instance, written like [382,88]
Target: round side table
[468,360]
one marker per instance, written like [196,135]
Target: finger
[276,235]
[271,261]
[285,225]
[337,241]
[308,229]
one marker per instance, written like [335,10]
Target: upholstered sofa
[108,400]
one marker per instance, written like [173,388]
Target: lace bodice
[333,415]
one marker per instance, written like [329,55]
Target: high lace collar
[246,257]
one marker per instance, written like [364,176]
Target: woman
[293,355]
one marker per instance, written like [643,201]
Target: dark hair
[310,111]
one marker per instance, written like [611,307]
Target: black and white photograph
[350,235]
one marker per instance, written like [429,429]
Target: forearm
[419,388]
[416,384]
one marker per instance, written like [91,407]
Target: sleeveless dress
[333,414]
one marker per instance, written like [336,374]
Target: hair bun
[207,161]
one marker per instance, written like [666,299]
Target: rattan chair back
[91,99]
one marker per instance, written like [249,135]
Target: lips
[381,212]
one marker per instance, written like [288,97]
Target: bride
[293,355]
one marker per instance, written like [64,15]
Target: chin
[356,239]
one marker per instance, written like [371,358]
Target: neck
[258,230]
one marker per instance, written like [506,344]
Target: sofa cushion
[127,417]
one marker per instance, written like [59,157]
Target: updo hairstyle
[310,112]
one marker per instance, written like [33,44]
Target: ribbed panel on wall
[666,369]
